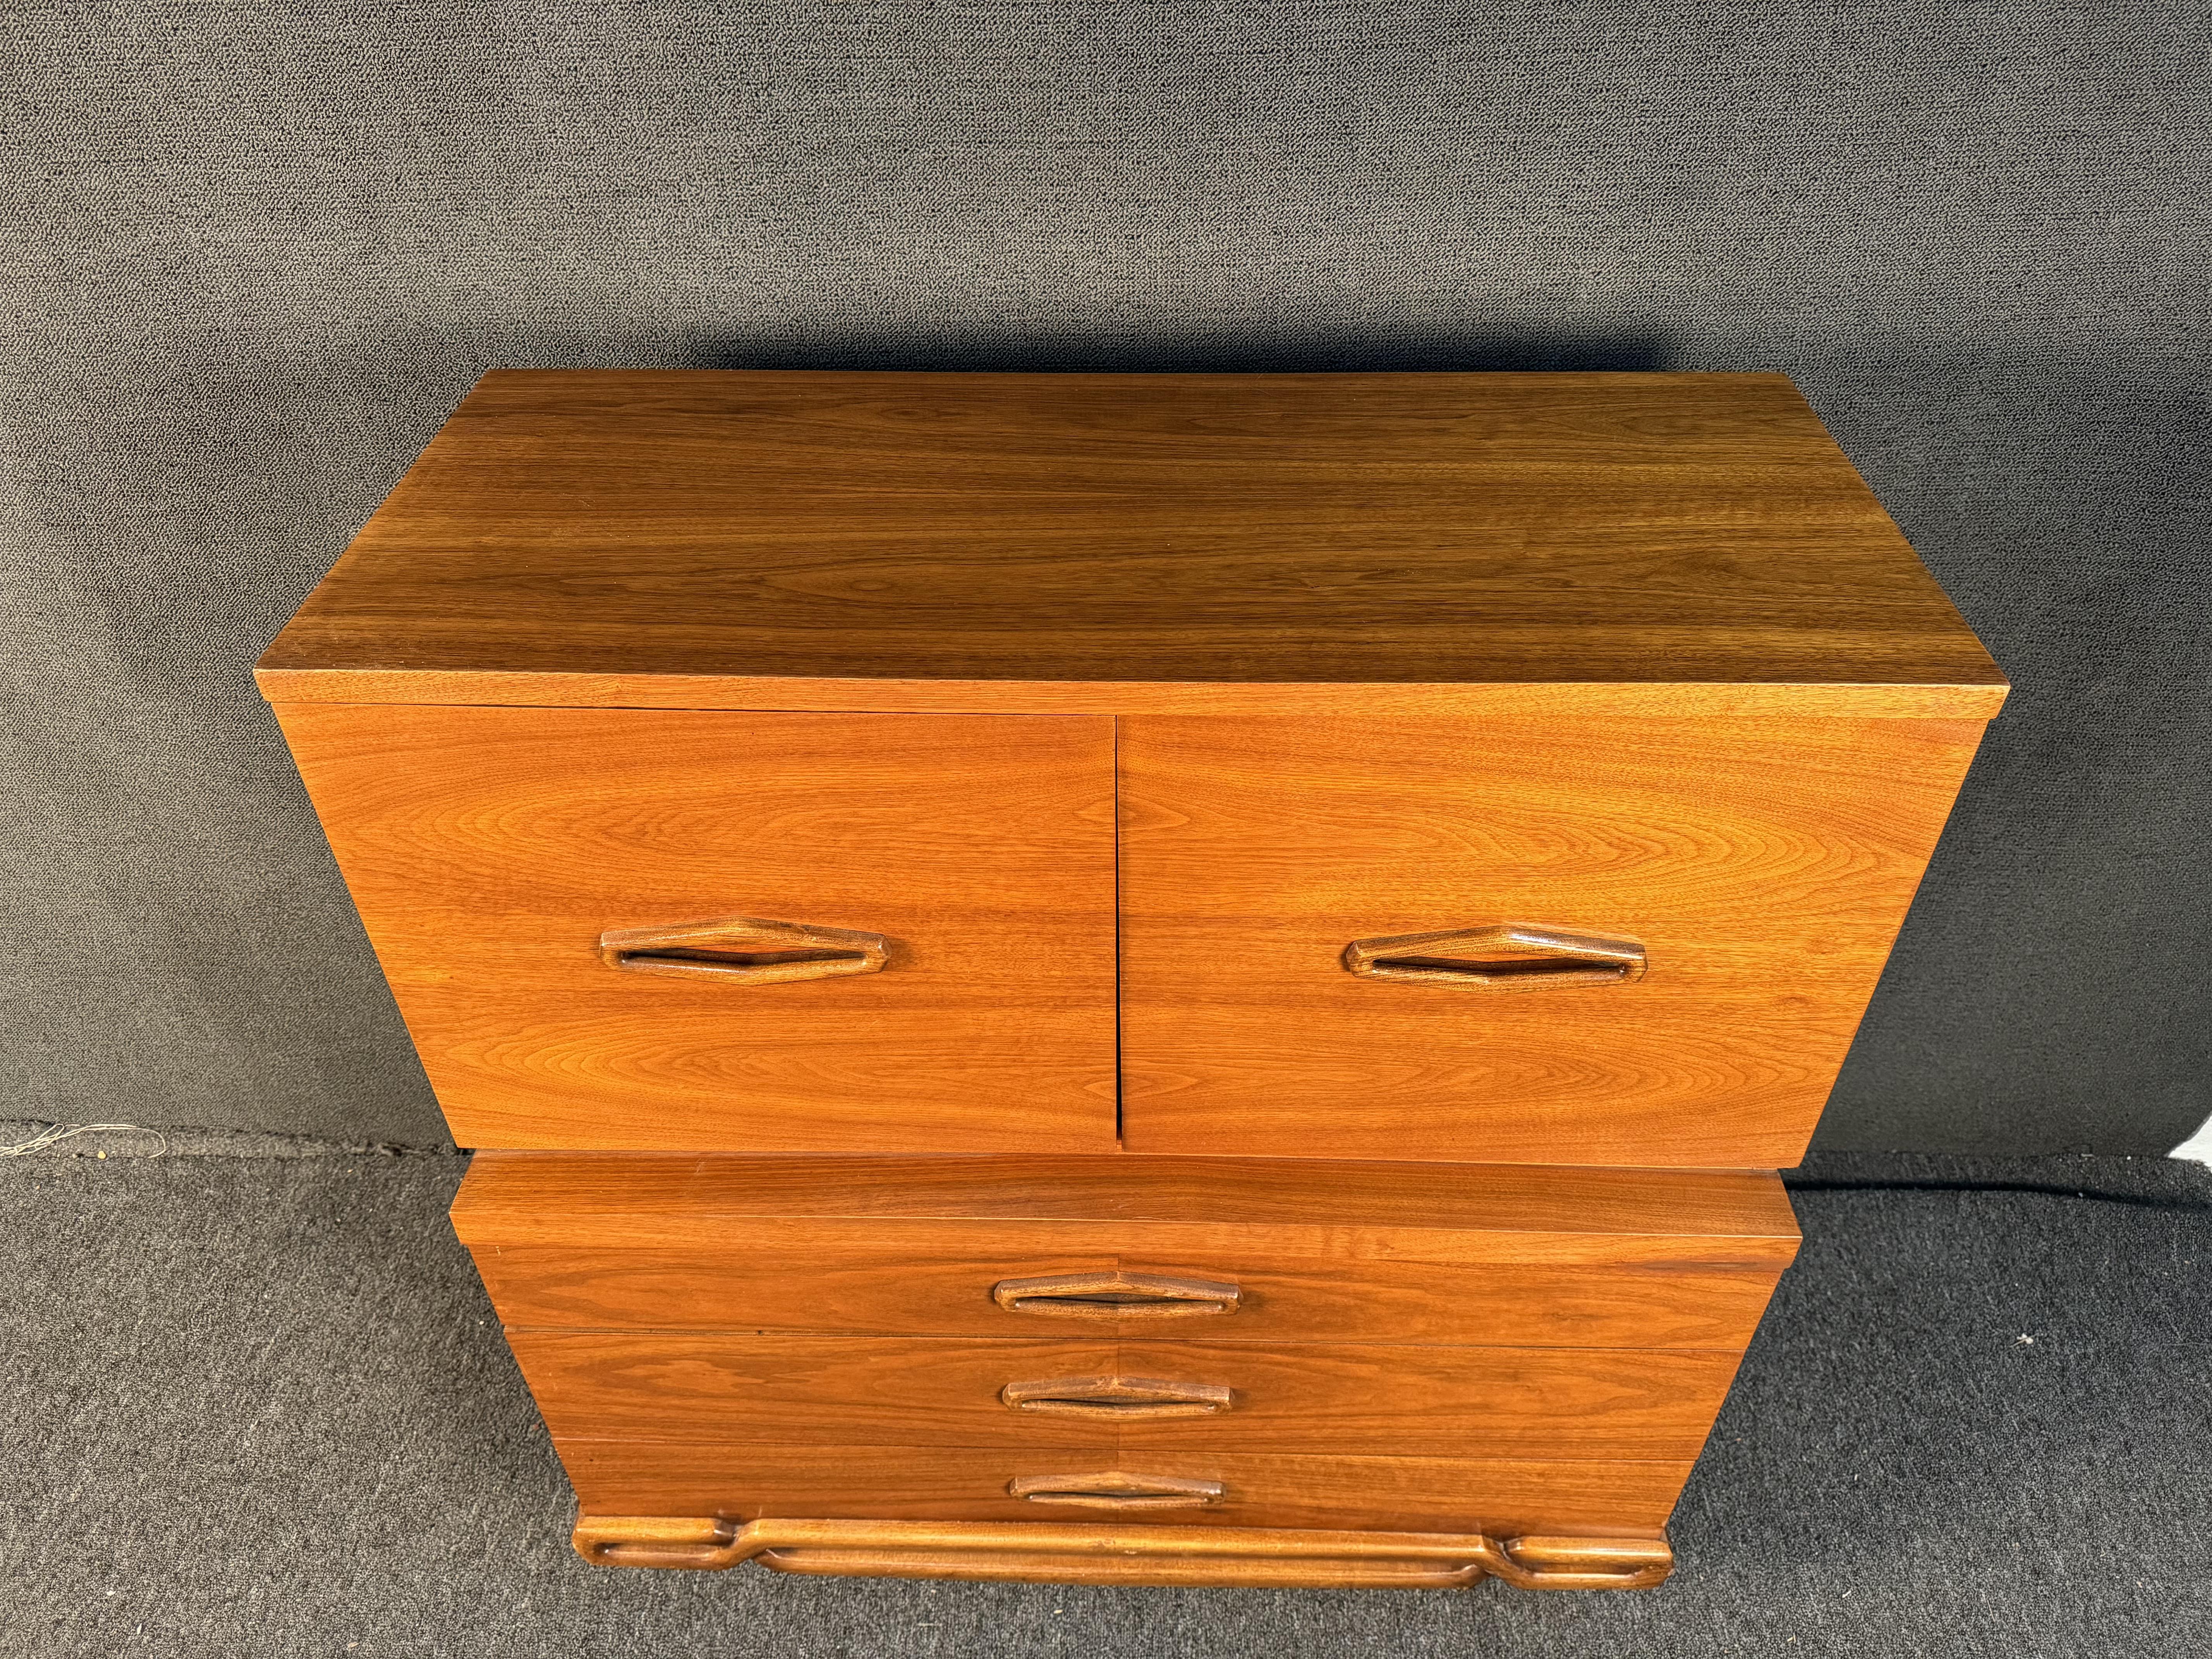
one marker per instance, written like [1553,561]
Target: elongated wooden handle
[1114,1296]
[1113,1490]
[1506,957]
[744,950]
[695,1544]
[1118,1397]
[1150,1552]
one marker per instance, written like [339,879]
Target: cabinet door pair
[1535,939]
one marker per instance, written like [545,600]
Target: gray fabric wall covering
[254,253]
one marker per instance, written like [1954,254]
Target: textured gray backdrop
[255,253]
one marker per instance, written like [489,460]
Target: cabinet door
[567,904]
[1657,935]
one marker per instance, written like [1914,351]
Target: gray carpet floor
[258,1405]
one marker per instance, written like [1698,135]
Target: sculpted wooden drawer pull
[1508,958]
[1119,1397]
[1116,1491]
[744,950]
[1100,1552]
[1114,1296]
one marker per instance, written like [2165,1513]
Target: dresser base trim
[1032,1552]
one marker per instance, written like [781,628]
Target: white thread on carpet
[54,1134]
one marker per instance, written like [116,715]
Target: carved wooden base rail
[1123,1555]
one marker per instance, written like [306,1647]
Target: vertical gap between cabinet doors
[1117,933]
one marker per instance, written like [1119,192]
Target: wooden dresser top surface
[1134,543]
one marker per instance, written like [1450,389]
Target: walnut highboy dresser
[1131,978]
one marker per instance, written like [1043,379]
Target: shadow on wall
[1168,352]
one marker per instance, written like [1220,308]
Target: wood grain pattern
[1587,700]
[557,1197]
[1765,867]
[1365,1398]
[1126,542]
[910,1285]
[1110,1554]
[1502,1498]
[489,849]
[1518,1256]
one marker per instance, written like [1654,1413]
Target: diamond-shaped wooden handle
[1112,1489]
[1114,1295]
[1504,957]
[744,950]
[1117,1397]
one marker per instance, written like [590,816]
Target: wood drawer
[1501,1496]
[490,849]
[938,1283]
[1762,867]
[1376,1252]
[1366,1398]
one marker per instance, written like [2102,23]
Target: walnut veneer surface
[1044,543]
[489,848]
[1512,1255]
[1131,978]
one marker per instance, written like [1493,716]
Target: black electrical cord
[2040,1189]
